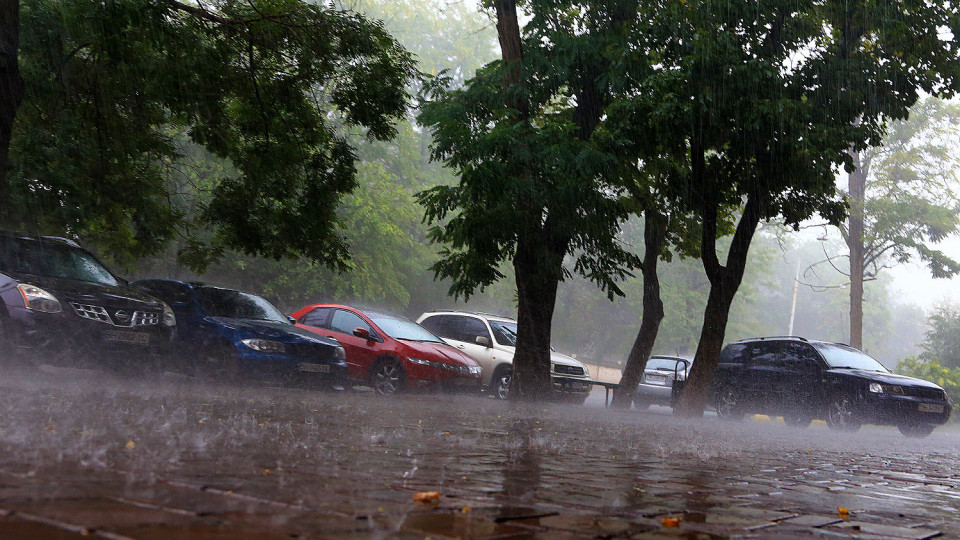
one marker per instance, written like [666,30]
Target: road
[83,453]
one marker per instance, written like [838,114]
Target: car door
[801,379]
[339,324]
[470,329]
[761,377]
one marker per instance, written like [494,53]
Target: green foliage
[941,343]
[947,377]
[266,86]
[531,178]
[911,198]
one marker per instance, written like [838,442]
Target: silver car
[656,385]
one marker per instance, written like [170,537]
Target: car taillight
[37,299]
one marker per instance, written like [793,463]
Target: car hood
[283,332]
[885,378]
[440,352]
[84,291]
[555,357]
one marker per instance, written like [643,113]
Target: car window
[402,328]
[346,321]
[317,317]
[54,260]
[505,332]
[735,353]
[472,329]
[766,354]
[843,356]
[232,304]
[445,326]
[666,364]
[799,357]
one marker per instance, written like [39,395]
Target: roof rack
[471,312]
[764,338]
[61,239]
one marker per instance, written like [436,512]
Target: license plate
[315,368]
[931,408]
[120,336]
[656,379]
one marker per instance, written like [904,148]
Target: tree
[903,200]
[531,188]
[763,100]
[268,87]
[941,343]
[11,84]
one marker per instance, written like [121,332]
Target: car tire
[798,419]
[500,382]
[728,404]
[387,376]
[842,414]
[916,431]
[640,405]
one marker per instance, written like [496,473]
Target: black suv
[60,304]
[802,380]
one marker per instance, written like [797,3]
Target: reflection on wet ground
[82,453]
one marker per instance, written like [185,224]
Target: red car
[390,353]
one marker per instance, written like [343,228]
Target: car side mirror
[361,333]
[483,340]
[291,319]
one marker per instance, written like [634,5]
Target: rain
[283,270]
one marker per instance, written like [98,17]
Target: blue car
[233,335]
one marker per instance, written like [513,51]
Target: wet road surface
[85,454]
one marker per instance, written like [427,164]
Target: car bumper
[571,385]
[421,377]
[653,394]
[292,368]
[898,410]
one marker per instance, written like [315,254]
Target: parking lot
[84,453]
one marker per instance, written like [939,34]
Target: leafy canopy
[266,86]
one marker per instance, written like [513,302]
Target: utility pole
[793,308]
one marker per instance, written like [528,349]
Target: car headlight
[169,319]
[37,299]
[456,368]
[420,361]
[878,388]
[264,345]
[340,354]
[474,370]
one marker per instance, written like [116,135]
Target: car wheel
[798,419]
[640,405]
[500,382]
[916,431]
[842,415]
[728,404]
[387,376]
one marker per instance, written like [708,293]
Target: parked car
[391,353]
[491,340]
[656,385]
[65,306]
[233,335]
[802,380]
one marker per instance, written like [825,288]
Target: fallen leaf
[843,512]
[672,522]
[131,444]
[427,497]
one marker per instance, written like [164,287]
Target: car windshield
[237,305]
[55,260]
[504,332]
[399,328]
[842,356]
[667,364]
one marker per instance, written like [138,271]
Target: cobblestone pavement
[85,454]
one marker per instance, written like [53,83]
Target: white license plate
[931,407]
[315,368]
[120,336]
[655,379]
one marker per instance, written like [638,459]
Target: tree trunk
[511,51]
[724,283]
[654,230]
[11,85]
[538,275]
[857,191]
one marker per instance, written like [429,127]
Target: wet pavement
[85,454]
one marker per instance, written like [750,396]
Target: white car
[491,341]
